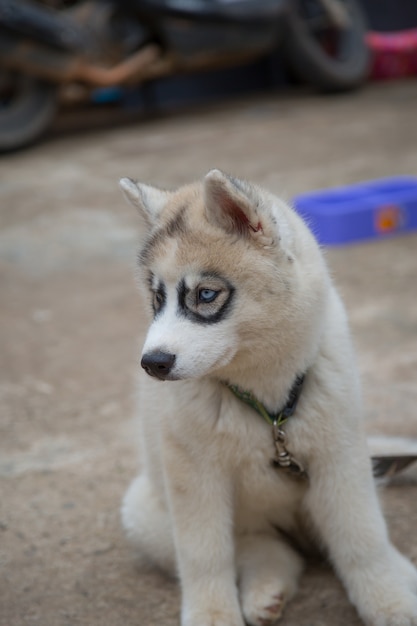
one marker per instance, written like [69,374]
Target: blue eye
[207,295]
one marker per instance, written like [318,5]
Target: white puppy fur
[241,294]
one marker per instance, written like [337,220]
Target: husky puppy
[243,308]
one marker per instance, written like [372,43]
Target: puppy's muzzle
[158,364]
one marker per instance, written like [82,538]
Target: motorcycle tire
[27,107]
[334,60]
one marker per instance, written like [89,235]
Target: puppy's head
[218,263]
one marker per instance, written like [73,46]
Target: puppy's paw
[397,609]
[263,607]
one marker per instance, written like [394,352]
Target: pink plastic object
[394,55]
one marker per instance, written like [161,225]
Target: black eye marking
[205,296]
[158,296]
[199,304]
[158,301]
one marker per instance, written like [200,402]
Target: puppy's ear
[149,200]
[236,207]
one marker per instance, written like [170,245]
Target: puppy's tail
[391,455]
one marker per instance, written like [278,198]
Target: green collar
[276,419]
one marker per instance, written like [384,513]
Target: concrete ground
[71,328]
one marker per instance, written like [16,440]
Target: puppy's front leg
[200,498]
[343,503]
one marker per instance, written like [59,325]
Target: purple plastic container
[363,211]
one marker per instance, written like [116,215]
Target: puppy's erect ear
[236,207]
[149,200]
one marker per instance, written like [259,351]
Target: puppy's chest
[264,493]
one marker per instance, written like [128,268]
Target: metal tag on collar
[282,457]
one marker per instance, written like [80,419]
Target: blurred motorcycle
[46,45]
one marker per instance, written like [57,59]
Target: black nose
[158,364]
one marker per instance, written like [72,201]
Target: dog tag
[283,459]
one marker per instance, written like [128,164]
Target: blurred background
[308,98]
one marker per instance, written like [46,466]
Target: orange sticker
[389,219]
